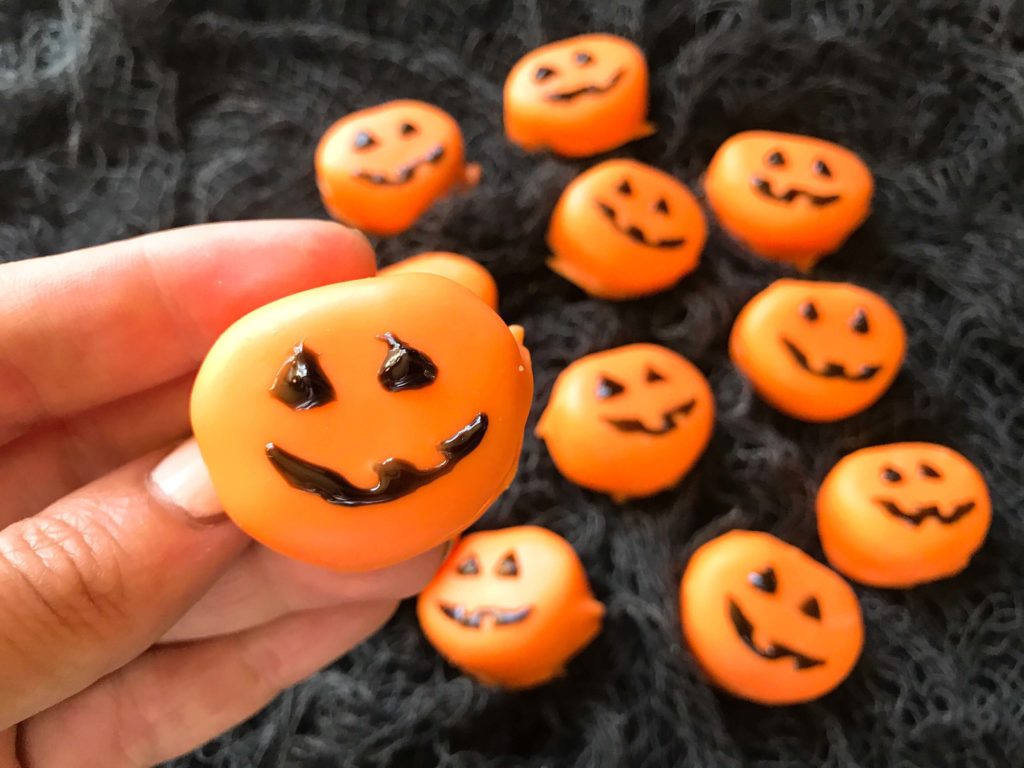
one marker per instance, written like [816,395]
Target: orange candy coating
[578,97]
[818,351]
[356,425]
[381,168]
[629,421]
[902,514]
[788,197]
[510,607]
[623,229]
[464,271]
[766,622]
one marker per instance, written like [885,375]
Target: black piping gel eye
[811,607]
[608,388]
[508,565]
[583,58]
[301,383]
[408,129]
[364,140]
[404,367]
[543,73]
[775,158]
[764,580]
[653,376]
[468,567]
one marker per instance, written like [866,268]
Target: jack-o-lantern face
[788,197]
[903,514]
[818,351]
[578,97]
[766,622]
[381,168]
[510,607]
[462,270]
[630,421]
[358,424]
[625,229]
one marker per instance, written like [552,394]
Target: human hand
[136,622]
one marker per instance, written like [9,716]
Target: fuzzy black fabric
[127,116]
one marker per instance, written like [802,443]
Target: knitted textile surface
[127,117]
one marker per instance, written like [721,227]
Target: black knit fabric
[126,117]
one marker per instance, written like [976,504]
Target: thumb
[97,577]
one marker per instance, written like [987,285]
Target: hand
[136,622]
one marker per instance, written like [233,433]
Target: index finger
[95,325]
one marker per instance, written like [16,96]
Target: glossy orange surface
[903,514]
[578,97]
[511,607]
[766,622]
[359,424]
[623,229]
[454,266]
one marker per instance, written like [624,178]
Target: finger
[53,459]
[97,577]
[175,698]
[263,585]
[93,326]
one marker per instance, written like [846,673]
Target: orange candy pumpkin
[462,270]
[510,607]
[903,514]
[788,197]
[818,351]
[380,169]
[623,229]
[630,421]
[766,622]
[359,424]
[578,97]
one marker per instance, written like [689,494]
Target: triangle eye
[608,388]
[811,608]
[764,580]
[662,206]
[775,158]
[468,567]
[859,322]
[404,367]
[508,566]
[408,129]
[625,188]
[653,376]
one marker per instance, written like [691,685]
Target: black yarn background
[122,117]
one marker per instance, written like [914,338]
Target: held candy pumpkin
[629,421]
[766,622]
[623,229]
[902,514]
[381,168]
[510,607]
[359,424]
[788,197]
[818,351]
[578,97]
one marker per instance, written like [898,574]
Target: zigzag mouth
[831,370]
[405,173]
[635,233]
[745,630]
[669,420]
[919,515]
[473,619]
[587,90]
[765,188]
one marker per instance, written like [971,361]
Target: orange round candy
[359,424]
[766,622]
[903,514]
[818,351]
[380,169]
[624,229]
[510,607]
[629,421]
[464,271]
[578,97]
[788,197]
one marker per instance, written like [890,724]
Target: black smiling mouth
[921,514]
[745,630]
[668,421]
[637,234]
[473,619]
[395,477]
[406,172]
[831,370]
[586,89]
[765,188]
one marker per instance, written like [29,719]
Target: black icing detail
[764,187]
[395,477]
[919,515]
[405,173]
[301,383]
[473,618]
[764,580]
[468,567]
[811,607]
[745,630]
[508,566]
[669,421]
[586,89]
[608,388]
[831,370]
[635,233]
[404,367]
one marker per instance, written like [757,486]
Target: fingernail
[182,480]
